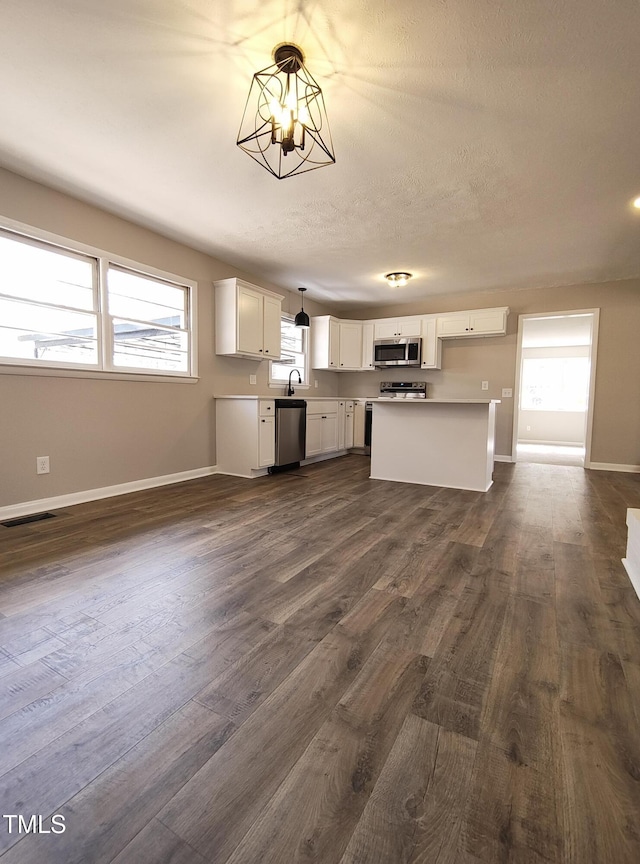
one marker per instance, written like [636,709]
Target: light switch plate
[253,379]
[507,392]
[485,385]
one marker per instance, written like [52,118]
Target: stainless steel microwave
[397,352]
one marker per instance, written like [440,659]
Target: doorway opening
[554,387]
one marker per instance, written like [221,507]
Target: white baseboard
[321,457]
[549,443]
[613,466]
[254,472]
[498,458]
[26,508]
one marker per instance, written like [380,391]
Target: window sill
[45,372]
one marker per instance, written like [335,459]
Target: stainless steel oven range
[403,389]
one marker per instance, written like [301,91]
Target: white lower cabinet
[266,442]
[348,425]
[322,427]
[245,436]
[345,424]
[314,435]
[358,423]
[341,419]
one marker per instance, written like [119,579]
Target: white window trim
[20,366]
[278,385]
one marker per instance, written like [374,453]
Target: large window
[64,309]
[293,353]
[555,384]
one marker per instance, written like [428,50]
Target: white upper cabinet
[336,345]
[477,322]
[367,345]
[390,328]
[271,333]
[247,320]
[350,345]
[431,345]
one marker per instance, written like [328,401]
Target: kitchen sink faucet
[290,390]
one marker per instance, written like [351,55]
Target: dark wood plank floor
[318,667]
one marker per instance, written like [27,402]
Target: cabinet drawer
[266,408]
[328,407]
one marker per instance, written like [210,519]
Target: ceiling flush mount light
[284,126]
[302,319]
[636,203]
[397,280]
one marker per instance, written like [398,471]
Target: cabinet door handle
[260,349]
[266,350]
[470,328]
[263,421]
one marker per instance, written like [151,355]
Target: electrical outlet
[42,465]
[485,385]
[253,379]
[315,383]
[507,392]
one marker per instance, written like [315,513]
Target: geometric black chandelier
[284,126]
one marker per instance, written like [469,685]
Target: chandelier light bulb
[284,126]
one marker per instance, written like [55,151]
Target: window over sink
[294,354]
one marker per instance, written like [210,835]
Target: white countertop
[413,401]
[402,400]
[295,396]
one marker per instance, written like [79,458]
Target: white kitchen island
[434,442]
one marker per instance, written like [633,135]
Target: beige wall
[552,427]
[104,432]
[465,363]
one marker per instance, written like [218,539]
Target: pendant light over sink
[302,319]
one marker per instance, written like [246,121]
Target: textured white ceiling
[479,144]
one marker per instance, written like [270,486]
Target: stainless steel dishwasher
[291,433]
